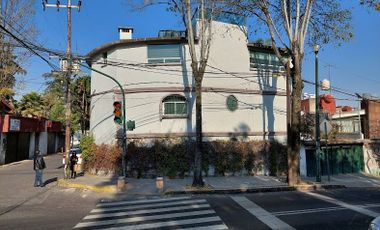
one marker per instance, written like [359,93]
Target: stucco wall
[258,116]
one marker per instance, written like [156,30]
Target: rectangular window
[175,108]
[265,61]
[164,54]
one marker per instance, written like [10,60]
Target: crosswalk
[165,213]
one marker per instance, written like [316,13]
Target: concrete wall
[3,149]
[303,166]
[43,143]
[32,145]
[258,116]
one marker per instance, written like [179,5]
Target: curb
[256,190]
[96,188]
[207,191]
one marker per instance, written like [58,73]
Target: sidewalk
[214,185]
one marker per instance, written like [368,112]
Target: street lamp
[317,129]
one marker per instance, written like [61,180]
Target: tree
[199,53]
[32,105]
[292,24]
[371,3]
[54,96]
[15,15]
[80,102]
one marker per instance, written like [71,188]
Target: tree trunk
[295,127]
[197,180]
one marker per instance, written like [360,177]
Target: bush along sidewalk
[173,157]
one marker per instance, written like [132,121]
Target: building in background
[21,136]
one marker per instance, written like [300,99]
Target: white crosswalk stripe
[166,213]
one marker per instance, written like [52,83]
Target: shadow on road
[51,180]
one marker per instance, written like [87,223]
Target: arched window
[174,106]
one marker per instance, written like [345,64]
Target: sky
[355,65]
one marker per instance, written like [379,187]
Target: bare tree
[293,24]
[199,46]
[15,15]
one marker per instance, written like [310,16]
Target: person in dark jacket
[73,162]
[38,166]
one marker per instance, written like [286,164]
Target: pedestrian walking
[38,166]
[73,162]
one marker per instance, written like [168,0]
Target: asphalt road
[24,207]
[333,209]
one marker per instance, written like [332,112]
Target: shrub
[108,158]
[88,148]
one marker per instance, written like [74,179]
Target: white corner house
[243,95]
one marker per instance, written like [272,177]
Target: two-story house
[244,87]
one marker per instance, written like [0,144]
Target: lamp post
[317,129]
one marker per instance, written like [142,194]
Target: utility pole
[68,6]
[317,129]
[329,76]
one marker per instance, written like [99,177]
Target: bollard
[160,183]
[121,183]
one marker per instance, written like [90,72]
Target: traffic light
[117,112]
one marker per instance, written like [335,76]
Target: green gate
[342,159]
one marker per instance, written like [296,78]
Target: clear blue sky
[356,64]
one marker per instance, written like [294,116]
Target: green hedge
[174,157]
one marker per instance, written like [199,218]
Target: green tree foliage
[32,105]
[16,16]
[81,103]
[54,97]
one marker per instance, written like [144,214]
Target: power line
[28,47]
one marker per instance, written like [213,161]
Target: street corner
[96,188]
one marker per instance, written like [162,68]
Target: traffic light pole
[124,144]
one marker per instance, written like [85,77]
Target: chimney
[125,32]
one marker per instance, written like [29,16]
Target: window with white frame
[161,54]
[266,61]
[174,106]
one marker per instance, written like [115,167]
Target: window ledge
[164,64]
[174,117]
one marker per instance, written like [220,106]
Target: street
[23,206]
[282,210]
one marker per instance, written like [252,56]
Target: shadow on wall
[189,94]
[267,83]
[240,133]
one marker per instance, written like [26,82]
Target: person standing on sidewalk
[73,162]
[38,166]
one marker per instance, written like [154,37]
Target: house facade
[21,136]
[243,91]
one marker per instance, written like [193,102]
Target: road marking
[267,218]
[171,203]
[187,214]
[356,208]
[109,204]
[169,223]
[144,218]
[314,210]
[95,216]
